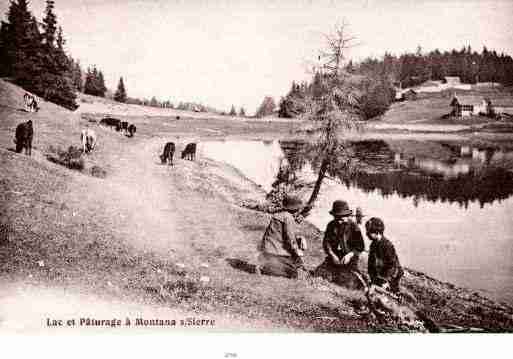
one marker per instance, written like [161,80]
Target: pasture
[169,239]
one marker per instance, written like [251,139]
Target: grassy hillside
[172,240]
[430,108]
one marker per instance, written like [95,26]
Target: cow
[23,137]
[124,127]
[111,122]
[167,155]
[131,130]
[189,153]
[88,138]
[30,103]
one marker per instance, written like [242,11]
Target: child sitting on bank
[383,267]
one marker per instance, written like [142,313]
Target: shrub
[71,158]
[97,171]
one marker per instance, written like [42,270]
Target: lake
[448,209]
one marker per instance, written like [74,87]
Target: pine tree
[5,64]
[76,74]
[50,23]
[36,61]
[242,112]
[55,83]
[154,102]
[20,36]
[94,82]
[120,94]
[233,112]
[89,82]
[101,84]
[268,105]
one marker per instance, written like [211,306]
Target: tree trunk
[317,187]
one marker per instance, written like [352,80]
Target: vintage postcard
[217,166]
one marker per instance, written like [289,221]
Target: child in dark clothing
[384,267]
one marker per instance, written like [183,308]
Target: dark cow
[23,137]
[167,155]
[189,153]
[131,130]
[124,127]
[111,122]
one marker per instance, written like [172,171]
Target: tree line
[411,69]
[32,54]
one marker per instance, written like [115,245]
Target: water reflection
[449,216]
[494,184]
[468,175]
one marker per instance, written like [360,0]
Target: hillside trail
[180,213]
[149,207]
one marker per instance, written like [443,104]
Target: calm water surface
[452,219]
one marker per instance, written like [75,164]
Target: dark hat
[340,208]
[292,202]
[375,225]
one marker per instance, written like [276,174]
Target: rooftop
[467,100]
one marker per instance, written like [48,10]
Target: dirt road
[138,204]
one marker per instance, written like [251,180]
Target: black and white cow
[30,103]
[88,138]
[124,127]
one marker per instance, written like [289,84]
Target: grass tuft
[71,158]
[97,171]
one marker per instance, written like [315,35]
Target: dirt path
[142,207]
[145,197]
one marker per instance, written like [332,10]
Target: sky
[228,52]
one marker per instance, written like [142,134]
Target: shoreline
[152,233]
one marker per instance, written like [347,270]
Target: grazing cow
[131,130]
[88,138]
[189,153]
[124,127]
[111,122]
[167,155]
[30,103]
[23,137]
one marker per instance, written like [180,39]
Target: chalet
[406,95]
[464,106]
[452,80]
[410,95]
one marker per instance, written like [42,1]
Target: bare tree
[334,109]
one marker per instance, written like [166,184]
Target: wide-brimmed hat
[292,202]
[340,208]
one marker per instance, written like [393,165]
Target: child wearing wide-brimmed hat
[281,249]
[343,243]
